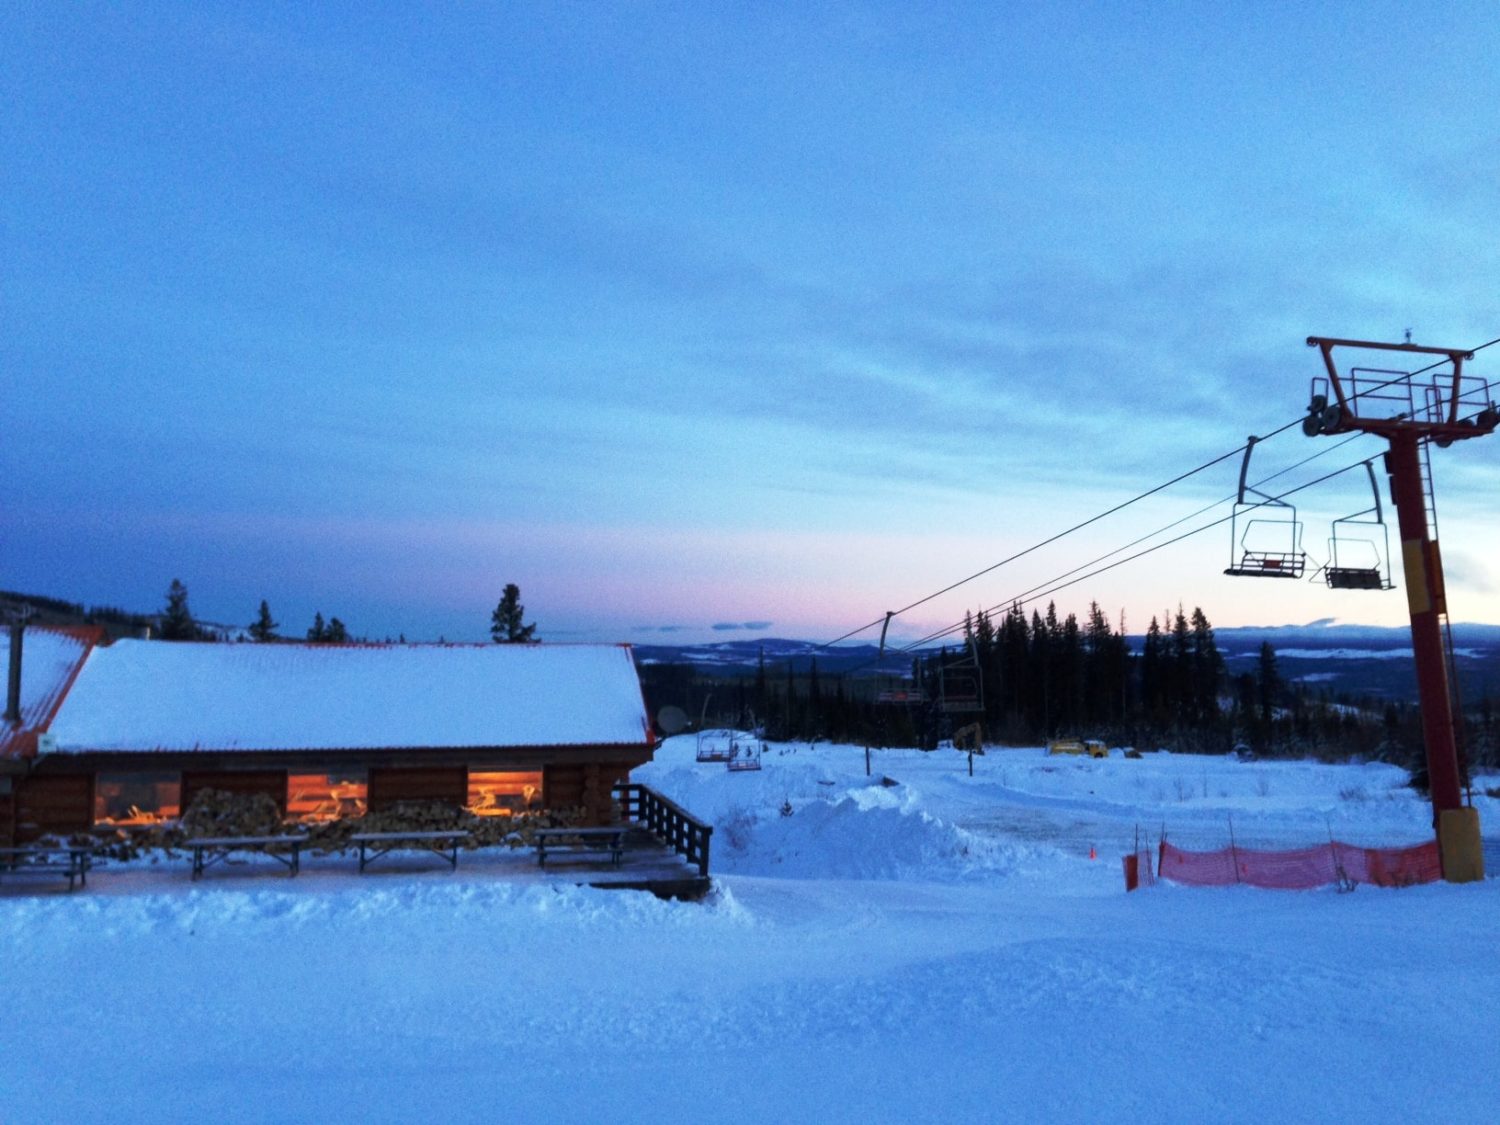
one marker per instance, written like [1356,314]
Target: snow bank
[865,835]
[810,813]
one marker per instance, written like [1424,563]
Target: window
[326,796]
[504,794]
[137,798]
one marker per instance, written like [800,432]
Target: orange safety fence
[1302,868]
[1138,869]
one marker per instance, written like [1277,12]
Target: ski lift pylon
[1265,536]
[1356,560]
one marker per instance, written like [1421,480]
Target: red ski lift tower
[1436,404]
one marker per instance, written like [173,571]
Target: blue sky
[683,316]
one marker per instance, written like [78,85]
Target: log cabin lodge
[100,733]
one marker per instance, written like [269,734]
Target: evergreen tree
[1041,675]
[1070,675]
[505,622]
[1208,670]
[319,632]
[177,622]
[1106,668]
[817,721]
[1180,671]
[1153,674]
[1267,682]
[762,696]
[839,726]
[792,714]
[263,628]
[336,634]
[986,645]
[1015,670]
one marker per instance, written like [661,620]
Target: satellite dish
[671,720]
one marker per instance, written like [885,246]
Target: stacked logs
[219,813]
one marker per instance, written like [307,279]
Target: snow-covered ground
[939,948]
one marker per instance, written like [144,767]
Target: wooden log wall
[52,806]
[388,786]
[588,787]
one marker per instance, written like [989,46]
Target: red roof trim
[21,742]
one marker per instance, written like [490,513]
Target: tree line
[1029,678]
[176,622]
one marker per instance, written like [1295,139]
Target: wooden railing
[668,821]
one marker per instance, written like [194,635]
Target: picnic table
[209,850]
[71,860]
[608,841]
[443,843]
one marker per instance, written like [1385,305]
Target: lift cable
[1055,584]
[1052,539]
[1037,594]
[886,618]
[1327,449]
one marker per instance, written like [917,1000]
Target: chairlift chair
[1265,536]
[905,697]
[960,685]
[1357,560]
[714,745]
[745,754]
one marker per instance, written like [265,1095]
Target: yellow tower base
[1459,842]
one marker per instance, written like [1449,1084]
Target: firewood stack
[218,813]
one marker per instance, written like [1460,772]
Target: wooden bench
[443,843]
[209,850]
[580,842]
[71,860]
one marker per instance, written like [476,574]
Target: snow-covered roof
[50,658]
[155,695]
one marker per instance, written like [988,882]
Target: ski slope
[938,947]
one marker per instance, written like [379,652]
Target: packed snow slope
[918,944]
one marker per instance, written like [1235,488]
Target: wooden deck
[647,865]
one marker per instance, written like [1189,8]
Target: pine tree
[1180,671]
[1070,666]
[336,634]
[1015,664]
[1041,675]
[505,622]
[1267,682]
[1208,670]
[1153,674]
[985,652]
[319,632]
[263,628]
[793,713]
[177,622]
[817,722]
[762,697]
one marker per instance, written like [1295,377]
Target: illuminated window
[326,796]
[503,794]
[137,798]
